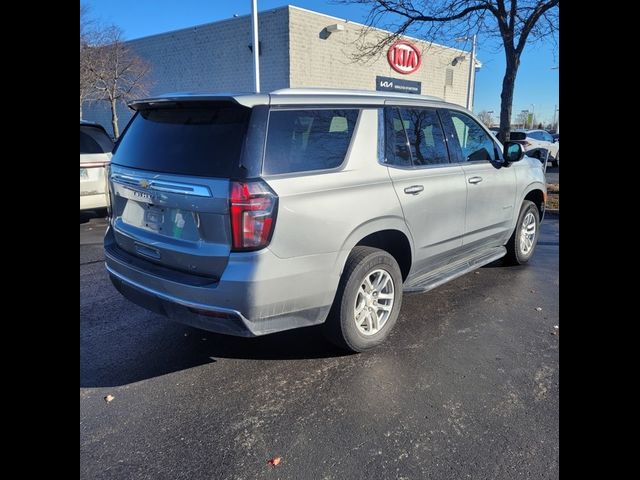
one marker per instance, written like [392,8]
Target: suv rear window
[94,140]
[305,140]
[202,140]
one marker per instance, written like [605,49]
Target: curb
[553,212]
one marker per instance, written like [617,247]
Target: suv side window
[426,139]
[396,145]
[306,140]
[475,144]
[547,137]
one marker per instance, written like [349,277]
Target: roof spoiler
[246,100]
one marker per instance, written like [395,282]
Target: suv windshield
[94,140]
[200,140]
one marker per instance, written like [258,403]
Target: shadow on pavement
[86,215]
[129,355]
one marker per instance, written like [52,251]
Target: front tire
[367,302]
[524,238]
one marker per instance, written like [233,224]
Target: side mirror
[512,152]
[520,136]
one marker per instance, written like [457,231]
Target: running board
[436,278]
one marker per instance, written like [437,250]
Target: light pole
[256,45]
[472,69]
[557,109]
[533,115]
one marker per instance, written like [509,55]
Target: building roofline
[294,7]
[206,24]
[346,20]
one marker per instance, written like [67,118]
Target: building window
[449,77]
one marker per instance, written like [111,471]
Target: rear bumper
[217,319]
[257,294]
[89,202]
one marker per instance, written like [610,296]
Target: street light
[472,67]
[256,46]
[557,109]
[533,115]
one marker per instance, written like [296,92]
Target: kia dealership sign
[404,57]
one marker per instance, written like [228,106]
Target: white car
[542,140]
[95,154]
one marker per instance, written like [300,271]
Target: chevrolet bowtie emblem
[144,183]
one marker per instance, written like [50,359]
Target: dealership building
[298,48]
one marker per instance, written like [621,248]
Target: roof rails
[347,92]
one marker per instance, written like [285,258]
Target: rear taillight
[107,190]
[253,208]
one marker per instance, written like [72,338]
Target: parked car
[538,142]
[256,213]
[95,155]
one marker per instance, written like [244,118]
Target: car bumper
[251,298]
[89,202]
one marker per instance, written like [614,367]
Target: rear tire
[524,238]
[371,284]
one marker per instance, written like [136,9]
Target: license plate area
[154,217]
[164,220]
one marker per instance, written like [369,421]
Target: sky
[536,85]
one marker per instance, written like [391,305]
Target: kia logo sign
[404,57]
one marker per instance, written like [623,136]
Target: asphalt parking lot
[465,387]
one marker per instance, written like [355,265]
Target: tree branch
[539,10]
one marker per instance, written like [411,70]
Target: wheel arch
[387,233]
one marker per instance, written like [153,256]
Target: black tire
[340,327]
[515,254]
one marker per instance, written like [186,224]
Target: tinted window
[426,140]
[397,146]
[202,140]
[304,140]
[547,137]
[474,142]
[94,140]
[535,135]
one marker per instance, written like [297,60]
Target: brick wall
[321,60]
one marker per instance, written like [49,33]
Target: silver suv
[256,213]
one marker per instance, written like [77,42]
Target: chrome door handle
[414,189]
[475,179]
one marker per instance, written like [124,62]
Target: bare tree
[512,23]
[88,34]
[522,119]
[120,74]
[485,117]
